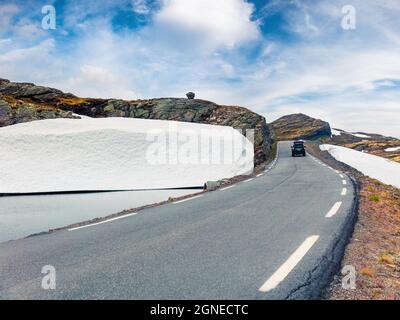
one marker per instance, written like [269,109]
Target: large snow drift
[379,168]
[118,154]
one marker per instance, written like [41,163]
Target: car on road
[298,148]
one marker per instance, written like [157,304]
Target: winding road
[279,235]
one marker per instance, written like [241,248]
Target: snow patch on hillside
[118,154]
[392,149]
[360,135]
[336,132]
[376,167]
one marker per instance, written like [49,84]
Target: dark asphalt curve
[268,238]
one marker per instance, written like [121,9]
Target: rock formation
[300,126]
[22,102]
[190,95]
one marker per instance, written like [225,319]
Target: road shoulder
[373,248]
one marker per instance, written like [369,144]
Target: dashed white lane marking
[344,182]
[184,200]
[248,180]
[289,264]
[226,188]
[333,210]
[344,192]
[105,221]
[342,176]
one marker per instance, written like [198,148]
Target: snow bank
[376,167]
[336,132]
[118,154]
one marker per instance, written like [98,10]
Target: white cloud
[347,78]
[34,63]
[7,12]
[220,22]
[5,41]
[140,6]
[26,28]
[97,74]
[99,82]
[38,52]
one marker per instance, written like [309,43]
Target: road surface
[277,236]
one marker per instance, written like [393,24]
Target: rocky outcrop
[47,103]
[29,91]
[24,112]
[23,102]
[300,126]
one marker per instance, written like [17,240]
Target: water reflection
[25,215]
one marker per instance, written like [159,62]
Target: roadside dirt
[374,248]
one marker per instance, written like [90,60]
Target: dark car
[298,148]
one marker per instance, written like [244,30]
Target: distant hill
[300,126]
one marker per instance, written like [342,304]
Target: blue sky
[274,57]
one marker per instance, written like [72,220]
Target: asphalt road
[278,236]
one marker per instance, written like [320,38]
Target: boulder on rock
[190,95]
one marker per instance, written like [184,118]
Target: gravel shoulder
[374,247]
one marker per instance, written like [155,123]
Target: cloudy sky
[274,57]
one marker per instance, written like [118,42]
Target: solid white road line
[344,191]
[226,188]
[105,221]
[333,210]
[184,200]
[344,182]
[342,176]
[259,175]
[248,180]
[289,264]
